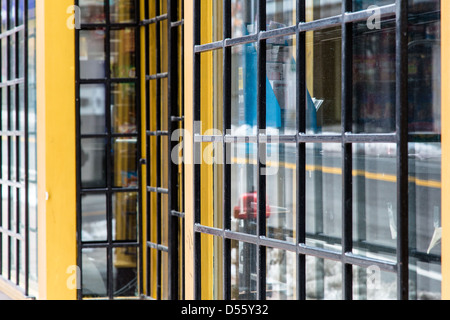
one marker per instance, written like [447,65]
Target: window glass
[92,54]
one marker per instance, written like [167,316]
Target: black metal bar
[347,167]
[226,173]
[261,152]
[197,179]
[301,101]
[401,121]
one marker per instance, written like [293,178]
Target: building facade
[224,149]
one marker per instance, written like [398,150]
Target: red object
[248,204]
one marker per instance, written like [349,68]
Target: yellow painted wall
[56,148]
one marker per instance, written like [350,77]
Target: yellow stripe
[338,171]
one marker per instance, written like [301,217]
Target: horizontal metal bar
[177,214]
[176,119]
[13,82]
[308,138]
[158,133]
[157,190]
[157,76]
[241,40]
[13,184]
[209,46]
[13,133]
[367,262]
[12,234]
[157,246]
[103,244]
[177,23]
[154,20]
[86,191]
[12,31]
[200,138]
[106,80]
[280,32]
[370,138]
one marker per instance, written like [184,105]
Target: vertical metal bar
[401,101]
[26,149]
[346,107]
[261,152]
[172,166]
[1,140]
[8,53]
[109,157]
[226,197]
[301,149]
[78,155]
[17,139]
[196,182]
[148,158]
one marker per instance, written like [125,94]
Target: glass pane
[125,162]
[280,174]
[92,54]
[281,278]
[281,85]
[92,11]
[244,187]
[243,89]
[324,195]
[93,218]
[125,216]
[212,268]
[122,11]
[211,185]
[93,163]
[280,13]
[211,84]
[323,279]
[243,17]
[125,272]
[374,78]
[94,273]
[323,77]
[92,108]
[123,55]
[243,271]
[123,108]
[213,11]
[374,284]
[375,199]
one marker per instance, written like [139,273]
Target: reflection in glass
[280,13]
[243,17]
[92,11]
[92,54]
[323,77]
[125,272]
[125,216]
[123,108]
[324,195]
[323,279]
[374,284]
[213,11]
[92,108]
[123,55]
[94,273]
[125,166]
[243,89]
[243,271]
[281,279]
[375,196]
[93,163]
[374,78]
[244,187]
[212,267]
[122,11]
[93,217]
[281,84]
[211,185]
[211,82]
[280,173]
